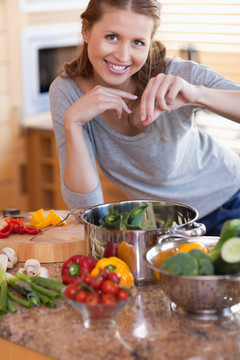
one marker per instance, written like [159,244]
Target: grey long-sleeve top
[171,160]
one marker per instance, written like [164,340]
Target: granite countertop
[147,329]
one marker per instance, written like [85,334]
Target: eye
[111,37]
[138,43]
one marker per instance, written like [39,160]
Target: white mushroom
[12,256]
[3,261]
[43,272]
[32,267]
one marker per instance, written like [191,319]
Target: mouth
[117,68]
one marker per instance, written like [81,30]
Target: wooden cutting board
[55,245]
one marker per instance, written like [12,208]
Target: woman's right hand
[97,101]
[79,173]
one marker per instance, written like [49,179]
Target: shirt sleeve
[199,74]
[62,95]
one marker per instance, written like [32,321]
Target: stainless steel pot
[138,241]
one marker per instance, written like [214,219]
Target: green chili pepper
[135,217]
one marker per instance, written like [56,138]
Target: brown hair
[155,63]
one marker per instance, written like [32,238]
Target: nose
[122,52]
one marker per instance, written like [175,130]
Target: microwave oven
[44,49]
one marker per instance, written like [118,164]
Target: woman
[122,103]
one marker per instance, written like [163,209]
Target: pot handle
[190,230]
[77,213]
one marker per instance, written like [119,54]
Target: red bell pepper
[5,231]
[111,249]
[75,267]
[16,226]
[32,230]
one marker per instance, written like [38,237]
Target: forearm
[79,173]
[223,102]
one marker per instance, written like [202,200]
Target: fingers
[159,96]
[101,99]
[113,99]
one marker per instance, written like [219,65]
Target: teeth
[117,67]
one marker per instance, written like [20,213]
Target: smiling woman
[125,106]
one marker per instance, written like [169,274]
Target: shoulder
[61,82]
[64,90]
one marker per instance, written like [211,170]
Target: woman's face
[118,46]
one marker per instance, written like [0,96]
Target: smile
[116,67]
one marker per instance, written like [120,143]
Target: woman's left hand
[165,93]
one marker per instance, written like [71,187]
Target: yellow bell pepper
[118,266]
[39,220]
[126,253]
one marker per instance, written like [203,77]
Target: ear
[85,31]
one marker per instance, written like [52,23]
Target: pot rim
[163,202]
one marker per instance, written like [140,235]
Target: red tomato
[81,296]
[104,273]
[91,299]
[96,282]
[87,279]
[114,277]
[122,295]
[109,287]
[108,299]
[71,291]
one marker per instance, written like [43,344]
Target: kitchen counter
[146,329]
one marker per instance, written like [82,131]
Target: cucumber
[230,251]
[228,261]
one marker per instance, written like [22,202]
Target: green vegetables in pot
[112,221]
[132,220]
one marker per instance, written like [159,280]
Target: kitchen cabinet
[43,173]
